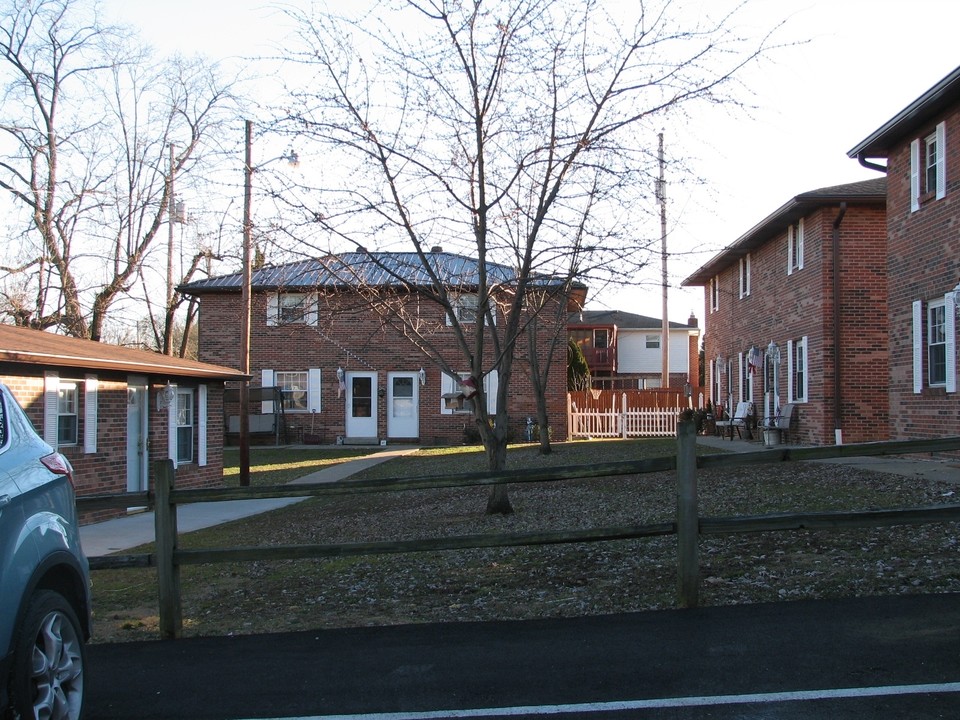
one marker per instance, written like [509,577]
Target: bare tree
[89,120]
[507,130]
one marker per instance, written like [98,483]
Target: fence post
[688,523]
[168,573]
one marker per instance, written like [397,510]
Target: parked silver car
[44,577]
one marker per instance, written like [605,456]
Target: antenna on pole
[662,199]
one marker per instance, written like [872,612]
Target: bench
[261,425]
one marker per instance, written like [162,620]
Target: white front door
[361,405]
[403,405]
[137,391]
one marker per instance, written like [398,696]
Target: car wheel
[49,661]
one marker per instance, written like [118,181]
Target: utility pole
[171,218]
[665,331]
[246,301]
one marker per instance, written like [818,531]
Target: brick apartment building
[112,411]
[360,357]
[796,311]
[920,150]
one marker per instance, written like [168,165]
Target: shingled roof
[34,347]
[622,319]
[865,192]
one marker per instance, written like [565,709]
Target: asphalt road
[895,657]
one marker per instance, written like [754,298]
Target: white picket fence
[622,422]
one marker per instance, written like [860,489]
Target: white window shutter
[313,389]
[941,160]
[172,427]
[51,408]
[273,309]
[915,175]
[951,332]
[806,369]
[90,387]
[448,384]
[790,395]
[799,241]
[491,383]
[312,313]
[917,346]
[202,425]
[790,241]
[266,380]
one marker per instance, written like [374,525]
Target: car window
[3,420]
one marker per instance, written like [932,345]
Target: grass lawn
[529,582]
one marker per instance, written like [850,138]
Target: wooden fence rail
[688,525]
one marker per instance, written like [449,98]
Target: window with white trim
[936,344]
[798,370]
[300,389]
[291,308]
[928,167]
[714,293]
[466,307]
[653,342]
[68,420]
[795,247]
[293,389]
[184,423]
[450,384]
[745,276]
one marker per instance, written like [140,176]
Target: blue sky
[861,62]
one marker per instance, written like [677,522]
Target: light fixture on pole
[246,295]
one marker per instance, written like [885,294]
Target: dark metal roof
[33,347]
[373,269]
[922,111]
[623,320]
[865,192]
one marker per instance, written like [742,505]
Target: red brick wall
[923,264]
[105,472]
[784,307]
[351,335]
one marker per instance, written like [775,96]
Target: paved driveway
[895,657]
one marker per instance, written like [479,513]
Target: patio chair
[737,422]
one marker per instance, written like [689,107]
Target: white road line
[625,705]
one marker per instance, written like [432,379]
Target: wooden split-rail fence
[688,525]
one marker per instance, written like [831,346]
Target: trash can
[771,437]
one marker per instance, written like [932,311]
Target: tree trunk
[498,502]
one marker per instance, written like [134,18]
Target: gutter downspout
[837,385]
[862,159]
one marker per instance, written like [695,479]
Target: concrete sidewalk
[920,466]
[137,529]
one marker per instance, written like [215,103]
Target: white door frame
[403,419]
[138,409]
[363,425]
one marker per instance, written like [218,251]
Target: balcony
[600,359]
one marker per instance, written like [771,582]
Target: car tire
[49,661]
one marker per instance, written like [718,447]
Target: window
[797,370]
[293,389]
[601,338]
[450,384]
[795,247]
[714,294]
[928,167]
[936,344]
[67,418]
[653,342]
[184,421]
[292,309]
[930,177]
[745,276]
